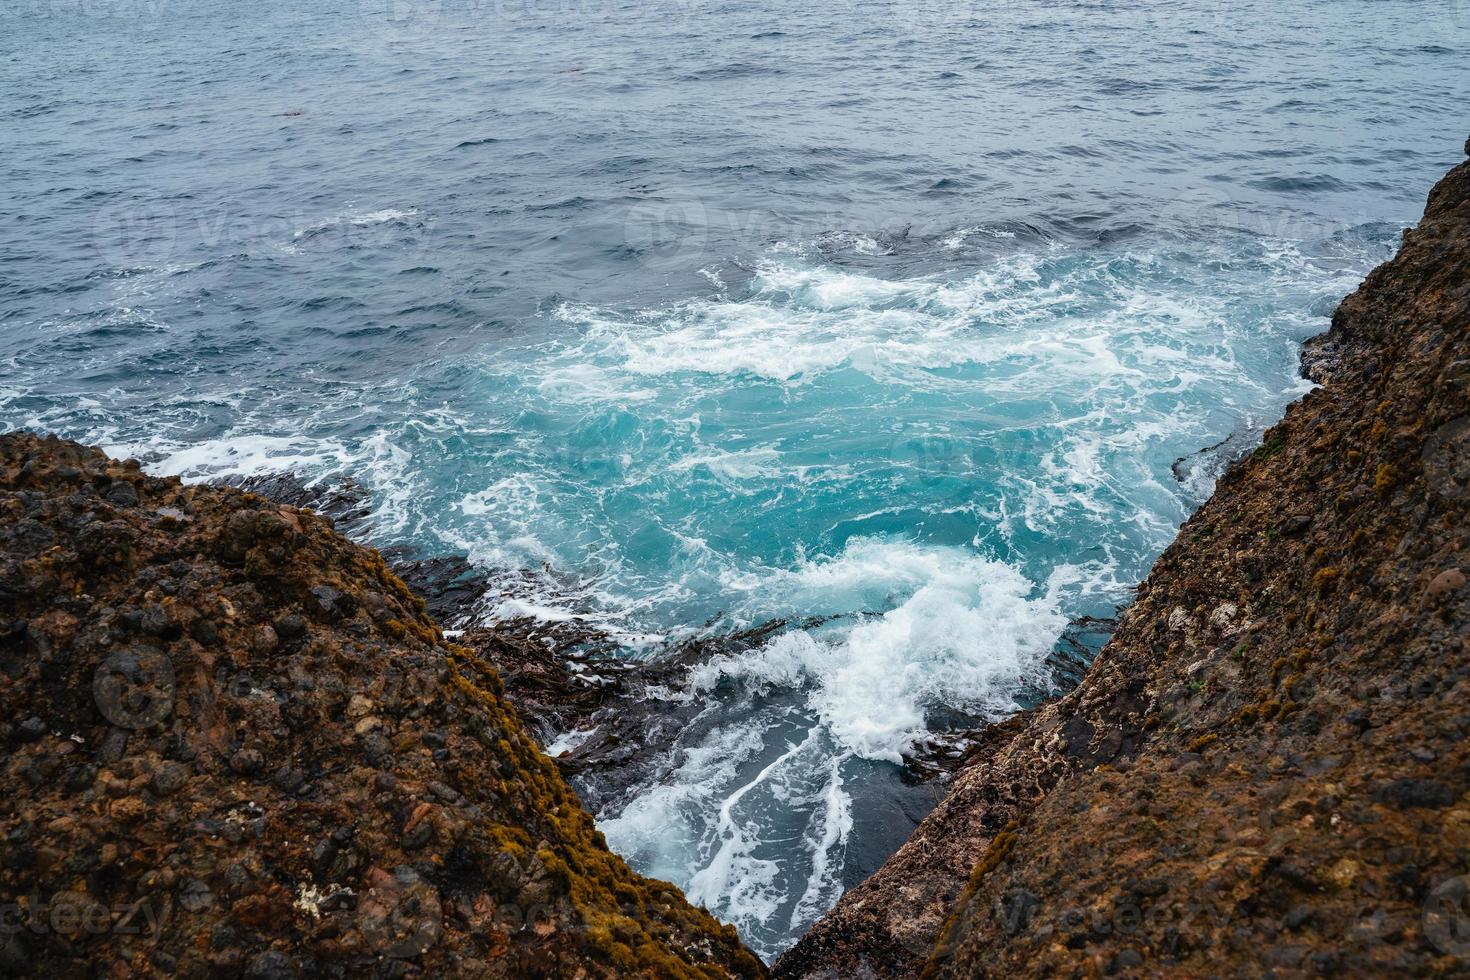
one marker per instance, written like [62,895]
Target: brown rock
[1449,580]
[266,671]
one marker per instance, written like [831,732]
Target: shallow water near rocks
[697,315]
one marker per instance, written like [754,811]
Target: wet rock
[169,778]
[290,628]
[1126,959]
[264,640]
[288,780]
[114,746]
[271,965]
[1296,524]
[1447,581]
[323,856]
[108,542]
[1425,793]
[204,632]
[247,762]
[80,779]
[194,895]
[332,602]
[376,748]
[417,835]
[452,588]
[121,494]
[339,497]
[1298,917]
[1285,957]
[1326,963]
[445,793]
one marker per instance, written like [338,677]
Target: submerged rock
[236,744]
[1267,767]
[1199,471]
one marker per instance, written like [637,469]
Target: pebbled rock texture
[1266,770]
[233,743]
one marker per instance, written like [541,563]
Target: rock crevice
[235,743]
[1266,769]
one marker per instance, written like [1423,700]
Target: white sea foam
[962,630]
[832,823]
[590,383]
[831,289]
[1101,369]
[663,826]
[960,237]
[567,741]
[712,824]
[804,320]
[734,878]
[350,222]
[380,216]
[747,465]
[235,455]
[358,219]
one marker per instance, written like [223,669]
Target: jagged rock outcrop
[1266,770]
[235,744]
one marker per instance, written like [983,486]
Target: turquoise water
[695,315]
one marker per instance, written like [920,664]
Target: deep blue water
[716,312]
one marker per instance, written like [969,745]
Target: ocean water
[698,314]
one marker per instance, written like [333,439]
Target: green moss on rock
[218,711]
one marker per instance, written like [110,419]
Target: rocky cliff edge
[1265,771]
[234,744]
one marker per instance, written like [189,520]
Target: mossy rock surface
[235,744]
